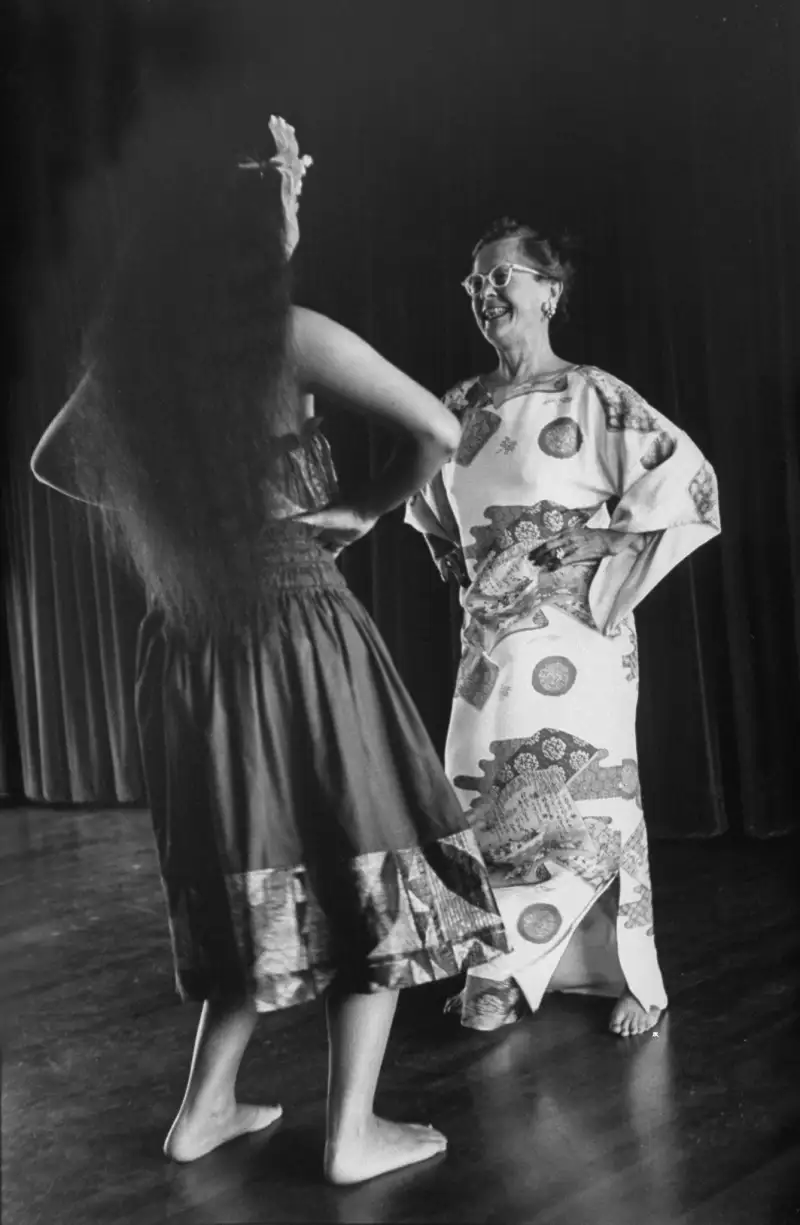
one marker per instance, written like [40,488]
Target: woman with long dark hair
[308,841]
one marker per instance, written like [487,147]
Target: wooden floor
[551,1121]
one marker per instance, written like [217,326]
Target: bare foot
[629,1018]
[191,1136]
[379,1148]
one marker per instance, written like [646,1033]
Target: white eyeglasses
[498,278]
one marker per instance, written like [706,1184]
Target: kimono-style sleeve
[667,491]
[431,513]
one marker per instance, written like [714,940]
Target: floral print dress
[541,746]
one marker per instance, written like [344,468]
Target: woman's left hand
[581,544]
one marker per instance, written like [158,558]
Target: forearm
[414,463]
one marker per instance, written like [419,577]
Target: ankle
[347,1126]
[209,1103]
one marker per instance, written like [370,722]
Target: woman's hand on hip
[338,525]
[582,544]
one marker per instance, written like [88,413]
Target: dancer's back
[308,841]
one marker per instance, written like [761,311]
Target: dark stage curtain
[666,140]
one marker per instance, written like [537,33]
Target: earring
[548,309]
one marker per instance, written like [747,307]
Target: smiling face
[515,312]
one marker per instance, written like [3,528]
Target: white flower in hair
[288,159]
[292,167]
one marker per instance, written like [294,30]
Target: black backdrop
[666,137]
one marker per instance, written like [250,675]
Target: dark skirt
[306,832]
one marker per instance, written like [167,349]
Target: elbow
[40,469]
[440,449]
[447,437]
[43,464]
[45,469]
[436,440]
[447,450]
[434,447]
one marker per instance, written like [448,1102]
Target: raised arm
[336,363]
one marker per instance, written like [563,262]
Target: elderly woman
[568,499]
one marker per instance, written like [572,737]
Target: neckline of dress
[541,382]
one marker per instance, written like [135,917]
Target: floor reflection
[570,1152]
[240,1184]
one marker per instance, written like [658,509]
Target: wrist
[631,542]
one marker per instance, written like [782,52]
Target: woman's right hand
[338,525]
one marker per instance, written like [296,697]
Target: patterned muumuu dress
[305,829]
[542,739]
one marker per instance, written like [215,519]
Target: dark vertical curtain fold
[666,140]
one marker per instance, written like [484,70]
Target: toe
[429,1135]
[265,1116]
[619,1021]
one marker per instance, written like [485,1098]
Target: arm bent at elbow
[54,461]
[337,363]
[334,361]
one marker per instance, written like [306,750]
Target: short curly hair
[546,254]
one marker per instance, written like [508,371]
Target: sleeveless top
[303,478]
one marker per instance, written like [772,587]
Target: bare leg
[629,1018]
[209,1114]
[359,1145]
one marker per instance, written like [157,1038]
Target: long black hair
[192,381]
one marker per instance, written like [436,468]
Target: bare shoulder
[322,349]
[305,325]
[334,362]
[309,331]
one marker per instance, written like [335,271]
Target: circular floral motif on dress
[554,675]
[525,764]
[553,520]
[561,439]
[526,532]
[659,451]
[578,759]
[539,922]
[554,748]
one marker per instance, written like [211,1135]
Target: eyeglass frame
[487,276]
